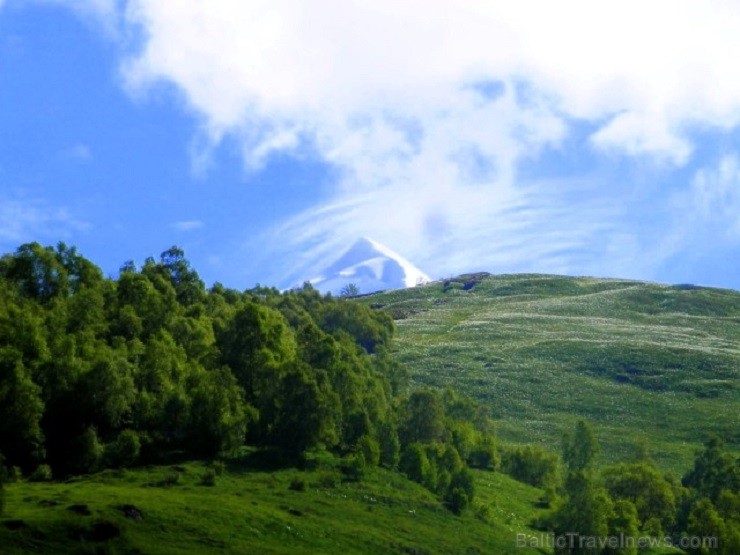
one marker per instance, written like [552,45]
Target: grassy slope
[252,511]
[639,360]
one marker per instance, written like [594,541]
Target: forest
[152,367]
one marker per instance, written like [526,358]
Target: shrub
[124,451]
[172,479]
[353,468]
[482,512]
[414,463]
[14,474]
[208,478]
[327,479]
[41,474]
[297,484]
[484,455]
[457,500]
[370,450]
[88,452]
[219,467]
[390,446]
[464,481]
[531,465]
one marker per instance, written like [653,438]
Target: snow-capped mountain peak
[370,266]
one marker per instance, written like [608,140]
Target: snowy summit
[370,266]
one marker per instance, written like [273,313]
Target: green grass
[256,511]
[641,361]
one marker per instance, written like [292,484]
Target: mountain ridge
[370,266]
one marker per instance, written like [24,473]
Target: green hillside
[148,414]
[166,510]
[641,361]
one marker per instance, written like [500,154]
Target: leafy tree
[308,411]
[415,463]
[585,513]
[109,393]
[188,285]
[646,488]
[587,508]
[350,290]
[714,469]
[623,526]
[484,455]
[705,522]
[370,449]
[369,328]
[423,418]
[218,419]
[86,452]
[124,450]
[580,450]
[21,409]
[256,345]
[390,446]
[530,464]
[461,491]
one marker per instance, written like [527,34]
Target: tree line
[98,372]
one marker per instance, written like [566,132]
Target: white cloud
[714,201]
[278,67]
[188,225]
[384,92]
[78,152]
[24,219]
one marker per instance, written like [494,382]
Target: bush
[219,467]
[531,465]
[414,463]
[484,455]
[327,479]
[208,478]
[41,474]
[88,452]
[353,468]
[482,512]
[457,500]
[124,451]
[370,450]
[14,474]
[390,446]
[172,479]
[297,484]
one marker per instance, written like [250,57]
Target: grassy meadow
[643,362]
[168,510]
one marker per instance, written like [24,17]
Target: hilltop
[641,361]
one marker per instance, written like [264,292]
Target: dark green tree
[350,290]
[423,418]
[308,411]
[580,449]
[623,529]
[645,487]
[714,469]
[21,409]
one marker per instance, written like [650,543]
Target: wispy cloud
[78,152]
[24,219]
[188,225]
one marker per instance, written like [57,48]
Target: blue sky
[265,137]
